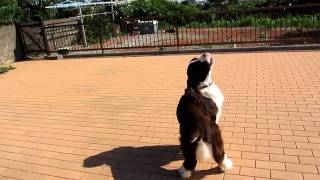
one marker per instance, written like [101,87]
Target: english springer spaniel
[198,112]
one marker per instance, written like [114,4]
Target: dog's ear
[212,61]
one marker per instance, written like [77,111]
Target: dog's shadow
[143,162]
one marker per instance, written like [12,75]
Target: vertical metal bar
[177,35]
[195,34]
[52,34]
[302,29]
[208,34]
[231,24]
[240,38]
[139,37]
[161,35]
[79,43]
[199,33]
[291,24]
[265,31]
[250,32]
[217,33]
[191,35]
[312,27]
[150,39]
[286,24]
[101,38]
[318,27]
[222,34]
[113,41]
[255,29]
[131,33]
[246,34]
[165,35]
[212,29]
[183,36]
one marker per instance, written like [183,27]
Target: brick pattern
[114,118]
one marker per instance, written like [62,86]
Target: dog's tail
[203,151]
[211,145]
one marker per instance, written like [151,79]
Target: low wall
[10,48]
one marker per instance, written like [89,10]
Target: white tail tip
[226,164]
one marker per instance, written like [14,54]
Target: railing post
[44,35]
[177,36]
[101,32]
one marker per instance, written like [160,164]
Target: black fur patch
[197,115]
[197,72]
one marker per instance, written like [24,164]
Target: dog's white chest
[214,93]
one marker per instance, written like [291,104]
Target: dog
[198,113]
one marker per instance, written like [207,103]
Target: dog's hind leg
[218,150]
[190,162]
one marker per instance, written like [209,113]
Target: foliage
[260,20]
[35,9]
[98,27]
[272,3]
[9,11]
[147,8]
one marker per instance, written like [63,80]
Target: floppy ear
[213,61]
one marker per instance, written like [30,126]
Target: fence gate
[32,37]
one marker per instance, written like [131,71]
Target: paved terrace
[114,118]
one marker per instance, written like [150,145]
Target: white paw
[184,173]
[226,164]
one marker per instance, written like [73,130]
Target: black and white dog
[198,112]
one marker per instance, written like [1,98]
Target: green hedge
[302,20]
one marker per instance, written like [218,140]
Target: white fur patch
[214,93]
[226,164]
[203,151]
[184,173]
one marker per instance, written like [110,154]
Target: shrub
[9,12]
[147,8]
[98,27]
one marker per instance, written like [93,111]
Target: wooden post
[20,43]
[45,39]
[82,27]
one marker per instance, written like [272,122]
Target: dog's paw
[184,173]
[226,164]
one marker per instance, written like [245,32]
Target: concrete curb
[191,51]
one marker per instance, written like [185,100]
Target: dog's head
[199,71]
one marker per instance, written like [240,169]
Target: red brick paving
[105,118]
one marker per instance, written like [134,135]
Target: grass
[6,69]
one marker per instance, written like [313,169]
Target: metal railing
[240,28]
